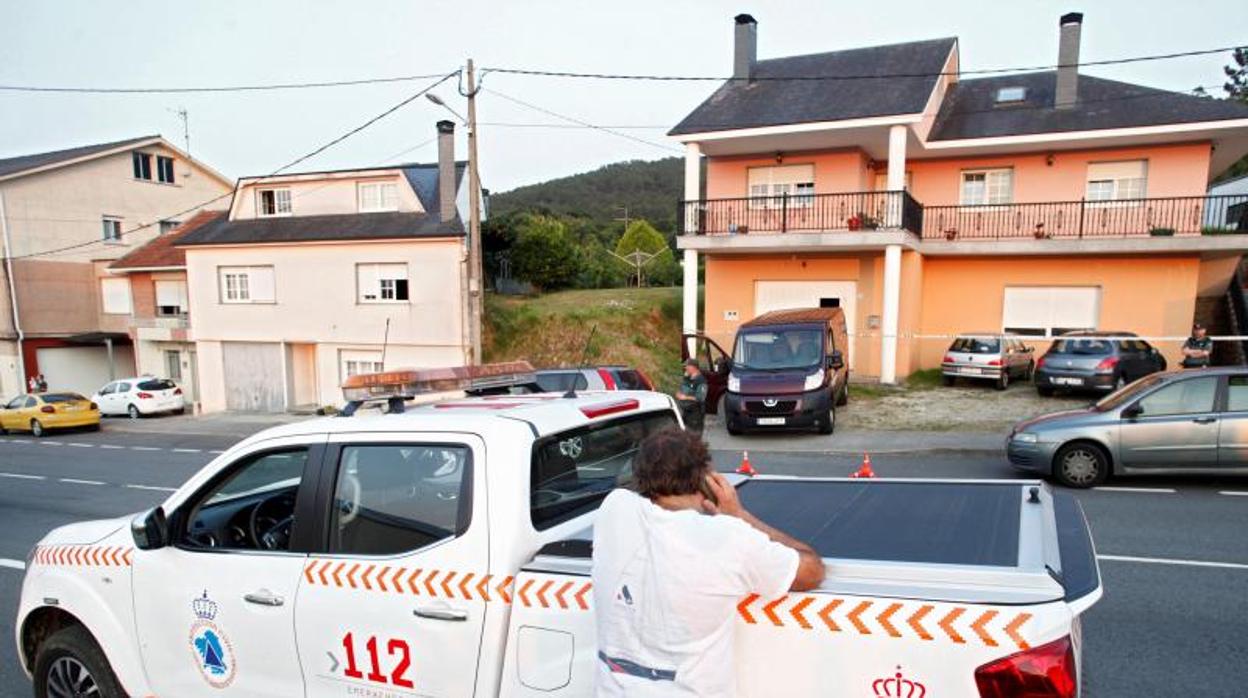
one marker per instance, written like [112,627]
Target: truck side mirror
[150,530]
[836,360]
[1132,412]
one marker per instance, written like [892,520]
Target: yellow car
[39,412]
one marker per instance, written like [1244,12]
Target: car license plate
[72,408]
[1063,380]
[969,371]
[770,421]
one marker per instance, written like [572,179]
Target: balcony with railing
[894,211]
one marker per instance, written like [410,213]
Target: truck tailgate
[927,581]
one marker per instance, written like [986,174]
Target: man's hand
[729,504]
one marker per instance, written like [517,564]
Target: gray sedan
[1192,422]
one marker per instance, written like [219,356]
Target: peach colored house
[64,216]
[928,203]
[317,276]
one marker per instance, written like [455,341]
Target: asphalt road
[1168,625]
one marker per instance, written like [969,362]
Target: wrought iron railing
[793,213]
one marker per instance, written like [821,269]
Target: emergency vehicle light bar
[407,383]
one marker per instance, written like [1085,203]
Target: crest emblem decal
[213,652]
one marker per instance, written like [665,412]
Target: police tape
[1039,338]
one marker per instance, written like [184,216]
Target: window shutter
[116,295]
[171,293]
[367,282]
[1127,169]
[261,283]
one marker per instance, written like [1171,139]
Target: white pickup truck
[445,551]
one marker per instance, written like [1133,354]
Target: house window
[1048,311]
[768,185]
[273,202]
[379,196]
[164,169]
[116,296]
[246,284]
[987,187]
[173,364]
[382,283]
[168,226]
[112,229]
[171,298]
[1116,181]
[356,362]
[1005,95]
[142,165]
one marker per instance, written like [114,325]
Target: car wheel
[1004,381]
[133,411]
[732,426]
[1031,371]
[1080,465]
[180,411]
[827,423]
[843,398]
[947,380]
[1044,391]
[36,428]
[94,427]
[71,663]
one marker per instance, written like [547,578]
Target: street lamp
[438,101]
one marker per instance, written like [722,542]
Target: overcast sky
[226,42]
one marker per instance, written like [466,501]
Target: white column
[892,305]
[691,292]
[896,172]
[693,192]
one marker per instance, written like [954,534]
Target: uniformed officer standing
[1198,348]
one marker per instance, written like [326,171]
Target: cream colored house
[314,277]
[64,216]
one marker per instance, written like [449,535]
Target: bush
[662,269]
[544,254]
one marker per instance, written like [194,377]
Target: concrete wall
[323,194]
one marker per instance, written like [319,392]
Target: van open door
[715,364]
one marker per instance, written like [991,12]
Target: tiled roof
[970,111]
[161,251]
[15,165]
[762,102]
[346,226]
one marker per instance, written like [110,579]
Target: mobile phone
[705,488]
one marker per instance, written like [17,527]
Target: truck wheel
[827,423]
[843,399]
[36,428]
[731,423]
[1080,465]
[70,663]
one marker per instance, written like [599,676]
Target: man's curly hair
[671,462]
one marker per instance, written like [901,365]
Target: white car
[140,396]
[443,551]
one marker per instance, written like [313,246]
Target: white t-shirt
[666,587]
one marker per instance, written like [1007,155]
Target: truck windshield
[777,350]
[573,471]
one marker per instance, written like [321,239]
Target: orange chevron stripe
[743,608]
[916,621]
[411,582]
[884,618]
[826,615]
[449,576]
[307,572]
[797,609]
[381,579]
[364,577]
[126,556]
[483,587]
[504,589]
[463,586]
[116,553]
[1012,630]
[769,610]
[524,598]
[396,582]
[351,575]
[559,594]
[978,627]
[321,574]
[433,574]
[946,624]
[580,596]
[541,593]
[337,573]
[94,554]
[853,617]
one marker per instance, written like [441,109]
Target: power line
[229,88]
[861,76]
[585,124]
[292,163]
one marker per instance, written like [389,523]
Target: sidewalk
[854,441]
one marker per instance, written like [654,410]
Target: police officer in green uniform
[692,395]
[1198,348]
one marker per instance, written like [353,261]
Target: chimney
[1067,92]
[446,170]
[745,47]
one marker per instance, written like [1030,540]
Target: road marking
[74,481]
[1142,490]
[186,450]
[52,443]
[23,477]
[216,451]
[111,446]
[152,487]
[144,448]
[1232,493]
[82,445]
[12,564]
[1179,563]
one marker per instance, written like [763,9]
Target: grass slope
[636,327]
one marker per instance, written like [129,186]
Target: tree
[1236,88]
[660,268]
[544,254]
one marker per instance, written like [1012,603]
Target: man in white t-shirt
[671,562]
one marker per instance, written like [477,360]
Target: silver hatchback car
[1192,422]
[987,356]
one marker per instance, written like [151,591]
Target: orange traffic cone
[864,470]
[745,468]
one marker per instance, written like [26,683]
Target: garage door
[783,295]
[83,369]
[253,376]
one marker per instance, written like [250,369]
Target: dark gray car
[1192,422]
[1095,361]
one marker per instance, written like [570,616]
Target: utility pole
[185,116]
[476,290]
[625,219]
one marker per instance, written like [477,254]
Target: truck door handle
[264,597]
[441,613]
[1205,420]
